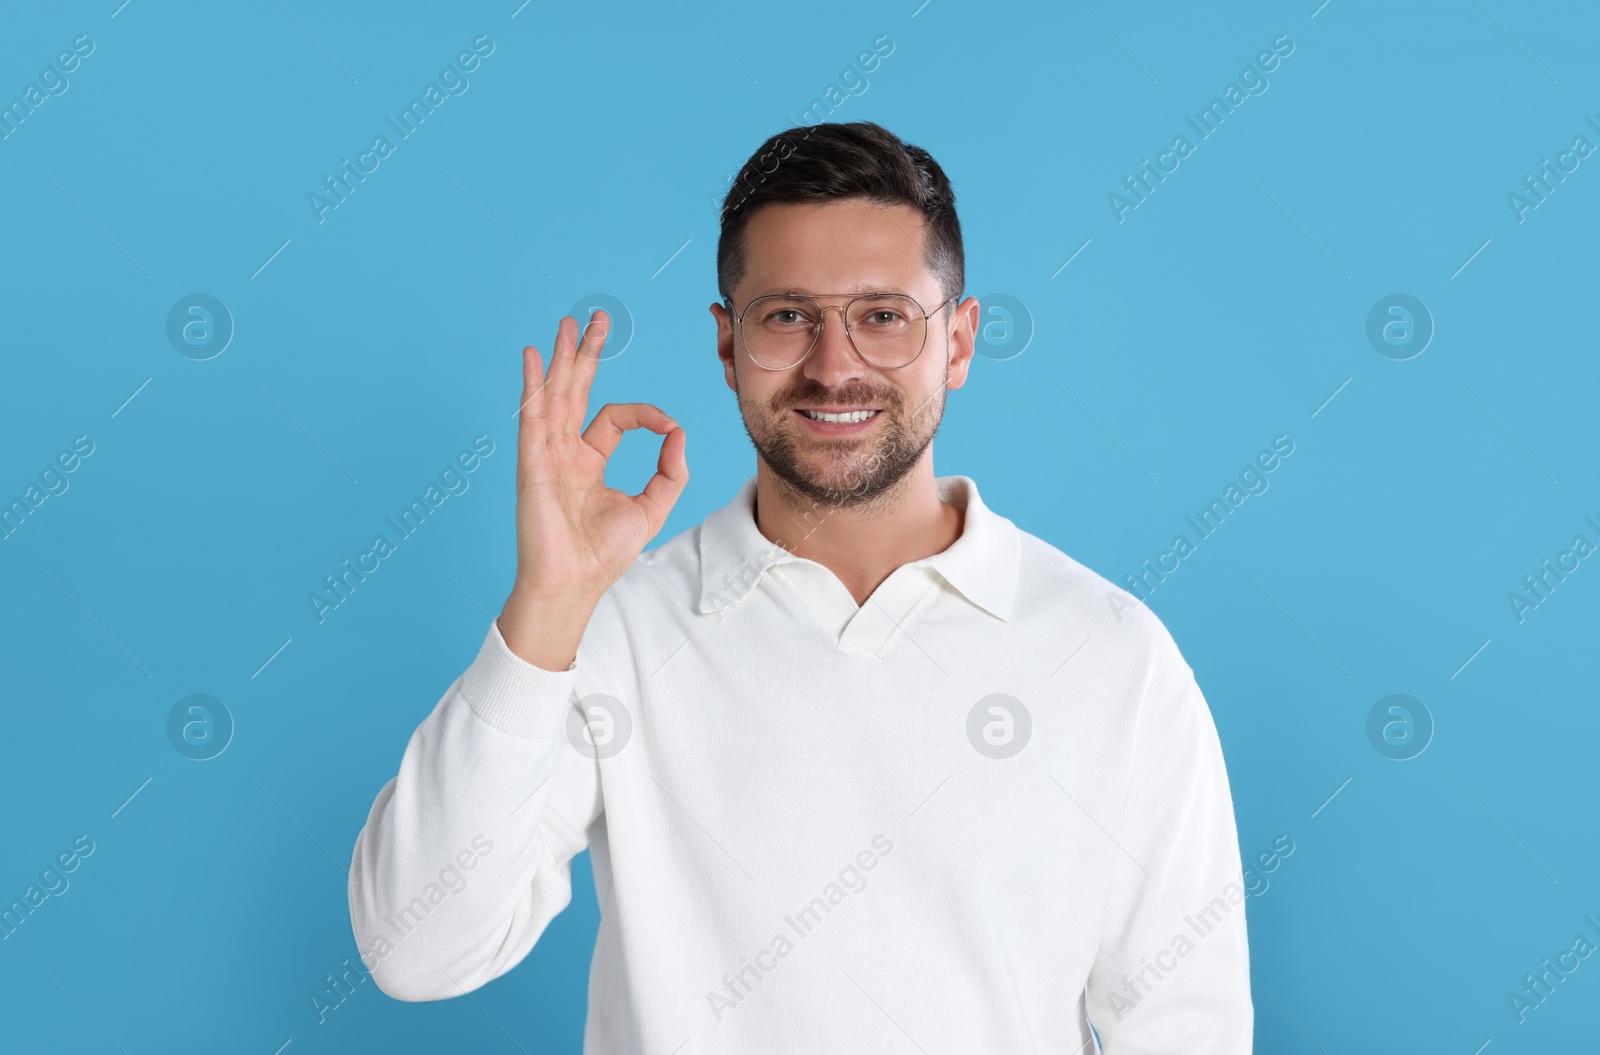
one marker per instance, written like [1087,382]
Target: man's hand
[575,535]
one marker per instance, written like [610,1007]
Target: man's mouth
[849,417]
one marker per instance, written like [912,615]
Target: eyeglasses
[888,330]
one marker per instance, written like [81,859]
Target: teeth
[853,416]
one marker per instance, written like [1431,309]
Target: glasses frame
[844,316]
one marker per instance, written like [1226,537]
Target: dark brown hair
[832,161]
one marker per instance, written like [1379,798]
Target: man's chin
[836,483]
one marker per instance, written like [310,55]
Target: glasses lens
[778,331]
[889,330]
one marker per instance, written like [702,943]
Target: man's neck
[861,544]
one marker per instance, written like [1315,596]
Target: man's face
[846,246]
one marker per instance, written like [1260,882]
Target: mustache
[885,400]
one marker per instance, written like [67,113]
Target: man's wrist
[545,630]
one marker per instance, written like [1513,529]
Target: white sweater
[980,813]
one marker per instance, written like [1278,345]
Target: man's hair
[830,162]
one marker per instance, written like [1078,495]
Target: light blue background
[1224,311]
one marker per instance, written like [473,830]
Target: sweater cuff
[514,695]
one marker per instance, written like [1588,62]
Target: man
[861,766]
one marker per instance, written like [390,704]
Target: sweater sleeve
[466,854]
[1172,973]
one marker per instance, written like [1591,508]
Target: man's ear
[963,340]
[719,312]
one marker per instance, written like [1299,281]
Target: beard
[843,472]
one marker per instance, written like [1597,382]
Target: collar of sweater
[981,564]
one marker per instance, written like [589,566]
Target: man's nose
[834,359]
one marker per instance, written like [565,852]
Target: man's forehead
[848,246]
